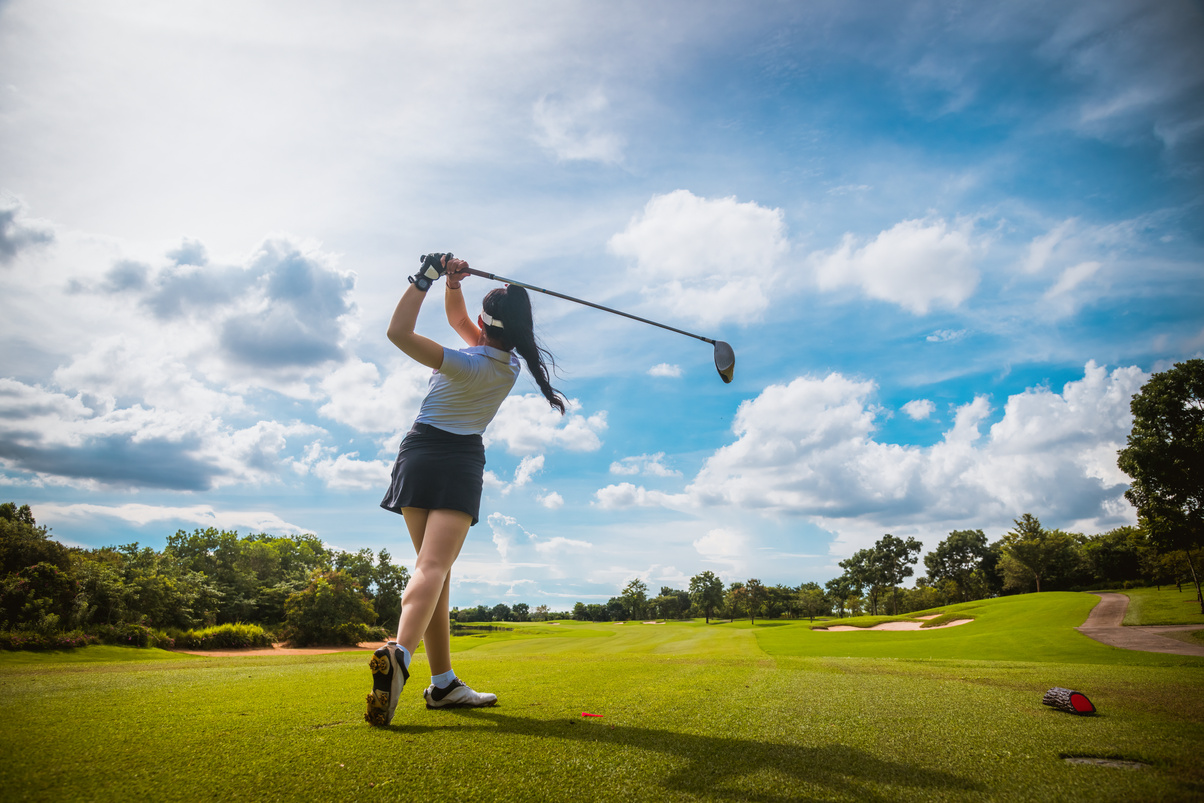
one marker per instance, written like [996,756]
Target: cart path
[1104,624]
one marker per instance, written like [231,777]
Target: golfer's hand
[455,272]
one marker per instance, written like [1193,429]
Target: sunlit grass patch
[1168,606]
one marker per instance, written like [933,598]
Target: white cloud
[1052,454]
[348,472]
[919,409]
[551,500]
[946,335]
[526,424]
[706,260]
[648,464]
[359,399]
[528,467]
[559,544]
[724,546]
[665,370]
[917,264]
[91,441]
[1072,277]
[626,495]
[578,128]
[253,521]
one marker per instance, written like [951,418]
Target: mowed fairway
[689,712]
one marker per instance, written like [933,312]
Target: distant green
[1165,606]
[689,712]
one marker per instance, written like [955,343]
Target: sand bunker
[896,626]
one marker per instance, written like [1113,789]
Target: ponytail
[512,306]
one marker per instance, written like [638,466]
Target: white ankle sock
[444,680]
[405,654]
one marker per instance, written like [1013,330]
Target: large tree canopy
[1165,458]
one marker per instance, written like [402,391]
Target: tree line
[311,592]
[294,585]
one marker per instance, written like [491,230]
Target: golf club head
[725,361]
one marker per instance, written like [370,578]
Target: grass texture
[689,712]
[1168,606]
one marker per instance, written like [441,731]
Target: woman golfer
[437,478]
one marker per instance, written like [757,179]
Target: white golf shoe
[457,695]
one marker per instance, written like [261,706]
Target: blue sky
[947,242]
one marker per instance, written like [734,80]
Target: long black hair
[512,307]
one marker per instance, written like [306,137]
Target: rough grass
[690,712]
[1168,606]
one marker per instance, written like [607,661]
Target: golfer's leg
[441,542]
[437,638]
[415,518]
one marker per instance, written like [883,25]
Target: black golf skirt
[437,470]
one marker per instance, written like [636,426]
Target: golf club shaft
[497,278]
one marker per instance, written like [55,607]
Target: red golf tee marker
[586,714]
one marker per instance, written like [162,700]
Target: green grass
[1150,606]
[690,712]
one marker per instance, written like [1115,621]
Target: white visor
[490,321]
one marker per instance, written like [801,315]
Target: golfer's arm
[401,331]
[457,316]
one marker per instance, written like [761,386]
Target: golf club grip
[496,278]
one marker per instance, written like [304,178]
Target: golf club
[725,358]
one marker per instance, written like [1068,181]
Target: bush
[32,640]
[333,609]
[132,635]
[222,637]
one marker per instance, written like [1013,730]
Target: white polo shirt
[468,388]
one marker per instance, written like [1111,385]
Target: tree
[23,543]
[894,558]
[958,559]
[635,598]
[863,573]
[840,589]
[541,613]
[389,580]
[812,601]
[1165,460]
[1030,552]
[522,612]
[706,591]
[736,600]
[501,613]
[756,596]
[332,609]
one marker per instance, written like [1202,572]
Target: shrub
[222,637]
[128,634]
[333,609]
[32,640]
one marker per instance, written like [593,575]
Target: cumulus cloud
[526,424]
[946,335]
[18,232]
[808,449]
[254,521]
[559,544]
[724,546]
[648,464]
[919,409]
[665,370]
[551,500]
[696,256]
[359,398]
[74,439]
[627,495]
[347,472]
[577,128]
[917,264]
